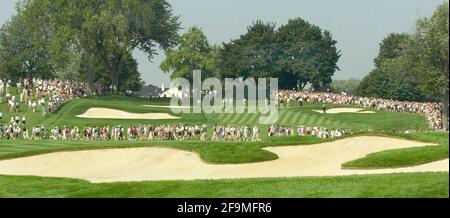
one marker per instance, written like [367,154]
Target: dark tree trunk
[116,75]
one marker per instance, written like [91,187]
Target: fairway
[375,146]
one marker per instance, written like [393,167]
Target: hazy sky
[357,25]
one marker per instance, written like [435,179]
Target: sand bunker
[140,164]
[345,110]
[168,106]
[105,113]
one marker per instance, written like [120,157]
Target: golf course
[224,99]
[420,148]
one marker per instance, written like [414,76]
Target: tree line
[297,53]
[414,66]
[91,41]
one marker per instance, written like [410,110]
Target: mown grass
[231,152]
[411,185]
[389,185]
[294,116]
[407,156]
[351,122]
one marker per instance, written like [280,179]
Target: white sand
[366,112]
[105,113]
[163,106]
[140,164]
[345,110]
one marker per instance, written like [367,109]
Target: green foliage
[252,55]
[193,53]
[55,38]
[129,77]
[297,53]
[308,53]
[374,84]
[24,45]
[415,67]
[389,79]
[391,47]
[349,86]
[429,51]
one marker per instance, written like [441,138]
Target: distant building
[150,91]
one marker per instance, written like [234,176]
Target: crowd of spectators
[432,111]
[319,132]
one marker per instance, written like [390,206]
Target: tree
[297,53]
[254,54]
[129,77]
[375,84]
[417,69]
[193,53]
[24,45]
[308,54]
[389,79]
[428,53]
[391,47]
[109,30]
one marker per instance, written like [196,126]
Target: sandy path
[105,113]
[345,110]
[139,164]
